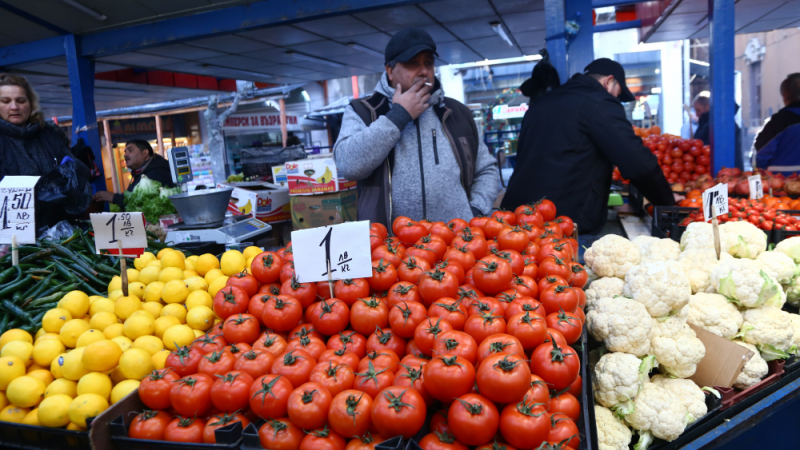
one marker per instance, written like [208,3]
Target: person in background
[778,143]
[140,159]
[571,139]
[702,106]
[293,140]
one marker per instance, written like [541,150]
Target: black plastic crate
[29,437]
[666,220]
[228,437]
[779,235]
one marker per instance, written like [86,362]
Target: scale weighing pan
[202,207]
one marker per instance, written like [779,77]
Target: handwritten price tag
[345,248]
[717,198]
[113,229]
[756,188]
[17,215]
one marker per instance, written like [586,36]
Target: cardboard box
[279,175]
[310,211]
[723,361]
[266,202]
[315,176]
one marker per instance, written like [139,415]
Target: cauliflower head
[658,411]
[662,287]
[753,371]
[769,329]
[661,250]
[606,287]
[793,292]
[618,377]
[743,282]
[778,266]
[791,247]
[612,433]
[612,256]
[743,239]
[622,324]
[689,393]
[796,336]
[714,313]
[697,265]
[700,235]
[643,241]
[676,347]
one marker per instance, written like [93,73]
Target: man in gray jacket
[413,151]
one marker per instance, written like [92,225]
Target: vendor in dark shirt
[141,160]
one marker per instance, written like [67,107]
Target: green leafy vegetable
[151,199]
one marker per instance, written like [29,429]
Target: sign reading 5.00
[344,248]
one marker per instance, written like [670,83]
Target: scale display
[180,165]
[244,230]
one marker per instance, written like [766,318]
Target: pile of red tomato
[681,160]
[464,326]
[766,213]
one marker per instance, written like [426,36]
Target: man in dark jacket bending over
[141,160]
[571,138]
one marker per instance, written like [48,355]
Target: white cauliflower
[602,288]
[743,239]
[661,250]
[713,313]
[643,241]
[700,235]
[796,336]
[697,265]
[753,371]
[618,377]
[612,433]
[612,256]
[689,393]
[676,347]
[622,324]
[769,329]
[658,412]
[662,287]
[743,282]
[793,292]
[791,247]
[778,266]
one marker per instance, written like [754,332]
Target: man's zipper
[421,170]
[435,149]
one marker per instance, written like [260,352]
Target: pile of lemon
[91,351]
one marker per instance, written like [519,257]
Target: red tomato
[441,441]
[548,211]
[551,266]
[266,267]
[404,318]
[472,242]
[367,314]
[499,343]
[461,255]
[398,411]
[529,216]
[184,360]
[567,323]
[473,419]
[447,377]
[504,378]
[492,277]
[385,359]
[349,413]
[563,429]
[308,405]
[149,425]
[323,439]
[373,380]
[312,345]
[453,267]
[484,325]
[557,365]
[305,293]
[459,343]
[241,328]
[191,396]
[378,229]
[216,363]
[184,430]
[255,363]
[529,328]
[513,239]
[384,275]
[566,224]
[452,310]
[443,231]
[392,253]
[412,269]
[295,365]
[524,305]
[408,231]
[411,376]
[437,284]
[269,395]
[433,243]
[485,305]
[384,339]
[330,317]
[428,332]
[525,424]
[457,225]
[230,392]
[349,290]
[280,434]
[349,341]
[559,298]
[566,404]
[271,289]
[270,342]
[245,281]
[531,268]
[219,421]
[403,291]
[525,286]
[154,388]
[231,300]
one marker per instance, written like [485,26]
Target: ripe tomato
[461,255]
[578,277]
[525,286]
[403,291]
[237,349]
[308,405]
[245,281]
[295,365]
[349,413]
[508,216]
[554,266]
[384,339]
[548,211]
[149,425]
[184,430]
[384,275]
[280,434]
[349,290]
[184,360]
[484,325]
[373,380]
[576,387]
[484,305]
[566,404]
[330,317]
[398,411]
[269,395]
[230,392]
[437,284]
[411,376]
[231,300]
[340,356]
[453,267]
[378,229]
[562,428]
[475,243]
[255,362]
[473,419]
[513,239]
[531,268]
[349,341]
[527,215]
[404,318]
[538,391]
[499,343]
[412,269]
[310,344]
[270,342]
[271,289]
[492,277]
[558,366]
[433,243]
[447,377]
[219,421]
[443,231]
[428,332]
[452,310]
[504,378]
[441,441]
[559,298]
[305,293]
[385,359]
[335,377]
[408,231]
[241,328]
[392,253]
[494,226]
[496,446]
[322,439]
[256,305]
[524,305]
[459,343]
[367,314]
[282,313]
[567,323]
[217,363]
[566,224]
[524,424]
[551,280]
[191,396]
[154,388]
[266,267]
[530,329]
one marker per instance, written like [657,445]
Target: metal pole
[721,44]
[284,133]
[109,151]
[159,136]
[580,51]
[556,42]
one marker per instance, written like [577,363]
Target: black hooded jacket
[157,169]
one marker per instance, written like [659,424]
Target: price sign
[17,215]
[114,229]
[717,198]
[344,248]
[756,188]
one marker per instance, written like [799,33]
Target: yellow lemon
[178,336]
[190,274]
[86,319]
[103,319]
[71,331]
[142,312]
[114,295]
[163,252]
[53,412]
[124,342]
[125,306]
[212,275]
[153,308]
[152,293]
[3,400]
[216,285]
[95,383]
[200,318]
[133,275]
[196,283]
[170,273]
[32,418]
[62,386]
[249,265]
[164,322]
[21,349]
[141,261]
[155,263]
[251,252]
[11,368]
[160,359]
[54,319]
[101,356]
[114,330]
[139,325]
[175,309]
[39,333]
[151,344]
[149,274]
[15,334]
[198,298]
[173,259]
[85,407]
[115,284]
[232,262]
[117,376]
[122,389]
[73,368]
[102,304]
[25,391]
[198,333]
[76,302]
[205,263]
[189,264]
[136,363]
[47,336]
[94,298]
[137,288]
[35,366]
[13,414]
[74,427]
[56,365]
[89,336]
[42,375]
[193,259]
[46,350]
[175,291]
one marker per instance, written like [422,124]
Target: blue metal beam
[580,51]
[32,51]
[721,44]
[606,3]
[618,26]
[556,40]
[84,117]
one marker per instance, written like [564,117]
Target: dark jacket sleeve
[162,175]
[119,200]
[768,133]
[613,135]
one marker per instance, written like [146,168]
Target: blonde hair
[7,79]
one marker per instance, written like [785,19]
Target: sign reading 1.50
[113,231]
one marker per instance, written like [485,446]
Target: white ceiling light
[502,32]
[85,9]
[313,59]
[365,49]
[305,95]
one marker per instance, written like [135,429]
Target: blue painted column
[84,115]
[556,43]
[580,51]
[721,44]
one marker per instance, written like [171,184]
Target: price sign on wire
[343,248]
[114,229]
[17,215]
[716,198]
[756,188]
